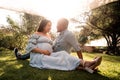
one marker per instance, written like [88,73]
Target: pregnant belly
[45,46]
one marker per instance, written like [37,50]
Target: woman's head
[45,26]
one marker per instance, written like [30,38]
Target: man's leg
[20,56]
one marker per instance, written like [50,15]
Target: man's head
[62,24]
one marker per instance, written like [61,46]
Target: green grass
[12,69]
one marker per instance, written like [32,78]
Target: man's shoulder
[67,33]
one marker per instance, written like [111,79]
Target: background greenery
[16,34]
[101,22]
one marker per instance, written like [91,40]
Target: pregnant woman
[42,55]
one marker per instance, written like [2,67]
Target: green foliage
[11,42]
[87,34]
[106,20]
[83,39]
[16,35]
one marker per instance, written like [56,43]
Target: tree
[16,34]
[105,20]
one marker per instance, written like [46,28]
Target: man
[65,41]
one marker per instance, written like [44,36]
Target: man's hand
[45,52]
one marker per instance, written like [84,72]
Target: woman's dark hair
[42,25]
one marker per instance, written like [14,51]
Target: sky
[50,9]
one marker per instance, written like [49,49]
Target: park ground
[12,69]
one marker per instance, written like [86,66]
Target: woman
[42,55]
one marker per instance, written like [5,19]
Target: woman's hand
[45,52]
[37,50]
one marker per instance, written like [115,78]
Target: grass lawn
[12,69]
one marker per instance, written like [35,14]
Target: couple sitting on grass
[46,54]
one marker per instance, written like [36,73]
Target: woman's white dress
[57,60]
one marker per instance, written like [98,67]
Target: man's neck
[62,32]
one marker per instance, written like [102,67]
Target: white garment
[57,60]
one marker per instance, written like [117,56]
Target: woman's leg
[20,56]
[85,64]
[60,60]
[90,65]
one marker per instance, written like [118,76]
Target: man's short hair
[64,21]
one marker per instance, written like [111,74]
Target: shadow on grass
[21,70]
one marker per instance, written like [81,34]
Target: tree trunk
[112,41]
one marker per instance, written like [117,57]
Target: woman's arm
[38,50]
[32,47]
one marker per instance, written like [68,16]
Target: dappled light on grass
[109,66]
[13,69]
[49,77]
[110,69]
[19,66]
[6,58]
[1,72]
